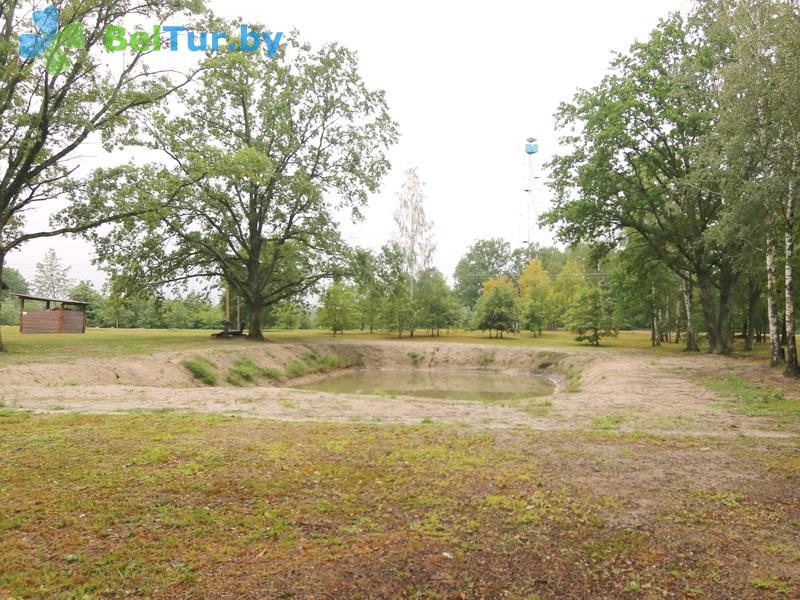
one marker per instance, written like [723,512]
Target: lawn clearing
[178,505]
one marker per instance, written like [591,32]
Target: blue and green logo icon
[51,41]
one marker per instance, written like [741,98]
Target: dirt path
[618,391]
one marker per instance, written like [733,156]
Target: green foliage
[338,311]
[201,368]
[416,358]
[755,401]
[234,180]
[272,373]
[485,359]
[52,277]
[297,368]
[437,307]
[485,259]
[590,317]
[9,305]
[536,302]
[496,309]
[397,310]
[243,370]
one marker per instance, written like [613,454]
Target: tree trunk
[2,262]
[727,281]
[776,356]
[753,296]
[792,369]
[254,331]
[709,316]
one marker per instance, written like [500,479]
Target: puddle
[451,385]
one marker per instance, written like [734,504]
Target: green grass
[608,422]
[102,342]
[297,368]
[485,359]
[272,373]
[244,370]
[186,505]
[753,400]
[202,369]
[416,358]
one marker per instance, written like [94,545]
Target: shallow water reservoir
[452,385]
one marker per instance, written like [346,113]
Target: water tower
[531,149]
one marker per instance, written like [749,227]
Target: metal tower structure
[531,149]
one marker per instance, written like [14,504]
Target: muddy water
[452,385]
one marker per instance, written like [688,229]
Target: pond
[441,384]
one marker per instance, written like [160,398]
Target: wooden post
[21,312]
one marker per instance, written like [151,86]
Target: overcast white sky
[468,82]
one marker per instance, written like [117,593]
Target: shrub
[202,369]
[297,368]
[244,369]
[486,358]
[416,359]
[272,374]
[332,361]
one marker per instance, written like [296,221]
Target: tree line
[685,161]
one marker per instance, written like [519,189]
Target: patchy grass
[202,369]
[297,368]
[416,358]
[314,363]
[608,422]
[272,373]
[753,400]
[485,359]
[102,342]
[184,505]
[244,370]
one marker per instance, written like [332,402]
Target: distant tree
[553,259]
[289,314]
[535,296]
[52,277]
[369,288]
[415,235]
[496,309]
[591,315]
[436,305]
[566,286]
[84,291]
[338,310]
[485,259]
[12,283]
[397,309]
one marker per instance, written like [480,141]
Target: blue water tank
[531,148]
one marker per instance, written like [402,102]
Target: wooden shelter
[48,315]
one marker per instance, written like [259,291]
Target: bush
[416,359]
[202,369]
[272,374]
[297,368]
[244,369]
[329,362]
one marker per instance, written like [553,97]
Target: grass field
[176,505]
[671,477]
[102,342]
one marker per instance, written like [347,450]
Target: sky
[467,82]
